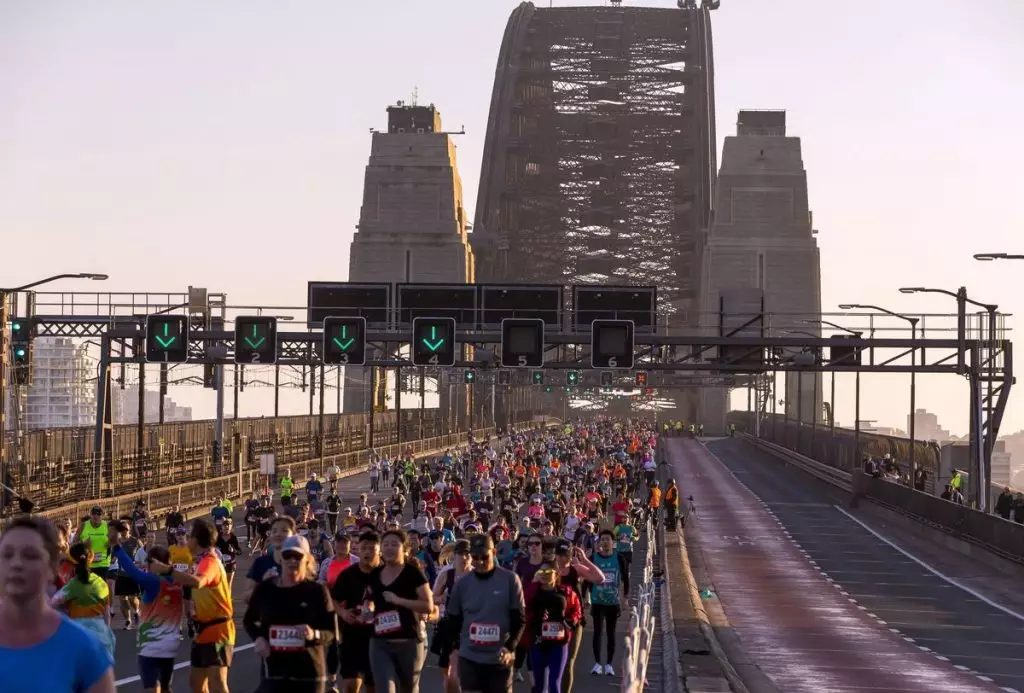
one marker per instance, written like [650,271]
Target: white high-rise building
[63,388]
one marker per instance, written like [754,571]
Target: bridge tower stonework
[763,239]
[412,226]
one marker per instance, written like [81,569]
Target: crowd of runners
[491,559]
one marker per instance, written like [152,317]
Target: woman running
[455,558]
[33,636]
[573,569]
[553,612]
[86,598]
[401,598]
[291,621]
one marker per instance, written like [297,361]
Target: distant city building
[63,388]
[126,407]
[927,427]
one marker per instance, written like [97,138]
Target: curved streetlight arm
[834,326]
[988,257]
[990,307]
[868,306]
[69,275]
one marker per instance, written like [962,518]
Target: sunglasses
[292,555]
[480,556]
[533,543]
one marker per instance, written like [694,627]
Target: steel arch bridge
[600,157]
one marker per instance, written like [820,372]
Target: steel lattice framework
[600,154]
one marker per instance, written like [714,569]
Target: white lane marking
[180,665]
[952,581]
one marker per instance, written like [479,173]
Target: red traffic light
[641,379]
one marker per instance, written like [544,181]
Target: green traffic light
[433,343]
[344,342]
[255,341]
[20,353]
[166,340]
[15,327]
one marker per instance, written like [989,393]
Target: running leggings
[397,664]
[548,663]
[606,616]
[574,650]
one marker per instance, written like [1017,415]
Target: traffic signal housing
[344,341]
[21,352]
[641,379]
[612,344]
[167,338]
[469,377]
[537,377]
[433,341]
[522,343]
[572,378]
[256,339]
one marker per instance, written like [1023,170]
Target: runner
[33,636]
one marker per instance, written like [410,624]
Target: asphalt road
[244,675]
[962,626]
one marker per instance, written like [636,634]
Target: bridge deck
[818,601]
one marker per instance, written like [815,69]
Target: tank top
[97,538]
[607,593]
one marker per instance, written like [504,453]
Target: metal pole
[312,388]
[990,434]
[799,408]
[140,429]
[815,408]
[163,390]
[234,406]
[856,417]
[218,426]
[277,390]
[398,405]
[338,393]
[913,407]
[320,422]
[373,403]
[3,387]
[832,407]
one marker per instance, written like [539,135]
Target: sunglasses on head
[292,555]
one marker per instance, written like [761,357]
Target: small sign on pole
[268,464]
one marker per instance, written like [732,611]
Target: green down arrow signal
[165,341]
[253,342]
[347,343]
[433,343]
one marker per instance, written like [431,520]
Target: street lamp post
[988,257]
[832,395]
[913,376]
[5,295]
[987,444]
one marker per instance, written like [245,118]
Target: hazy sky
[223,144]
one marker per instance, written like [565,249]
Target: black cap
[481,543]
[461,547]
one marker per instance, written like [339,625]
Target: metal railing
[640,635]
[201,493]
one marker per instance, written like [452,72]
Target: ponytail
[81,556]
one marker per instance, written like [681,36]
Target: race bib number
[552,630]
[287,638]
[484,634]
[387,622]
[611,577]
[181,567]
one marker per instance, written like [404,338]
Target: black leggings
[608,615]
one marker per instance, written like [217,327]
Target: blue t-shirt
[83,660]
[260,566]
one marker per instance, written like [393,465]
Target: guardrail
[198,494]
[990,532]
[641,623]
